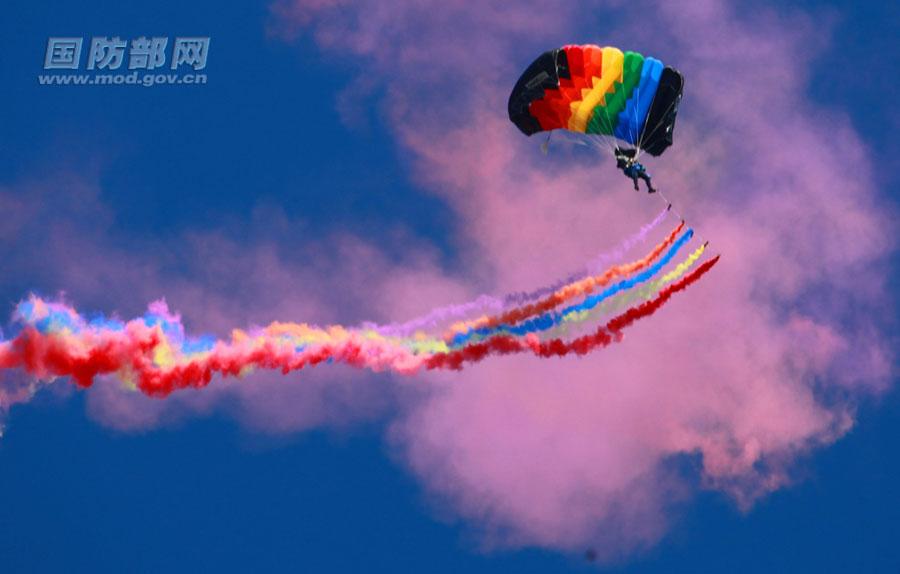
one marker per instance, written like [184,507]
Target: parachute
[600,93]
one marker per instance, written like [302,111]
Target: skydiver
[627,162]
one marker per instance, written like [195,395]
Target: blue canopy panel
[632,118]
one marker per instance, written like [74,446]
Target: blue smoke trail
[554,318]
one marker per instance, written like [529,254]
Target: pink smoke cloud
[570,453]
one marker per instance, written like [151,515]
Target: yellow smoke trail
[629,297]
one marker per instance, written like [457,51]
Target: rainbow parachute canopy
[592,90]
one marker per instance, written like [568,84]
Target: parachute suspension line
[609,145]
[612,147]
[678,214]
[633,126]
[602,137]
[642,133]
[595,140]
[657,126]
[610,142]
[580,139]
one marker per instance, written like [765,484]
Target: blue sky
[207,494]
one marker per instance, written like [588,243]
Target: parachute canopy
[593,90]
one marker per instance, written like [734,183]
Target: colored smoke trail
[549,320]
[566,292]
[594,266]
[440,315]
[628,298]
[603,336]
[154,353]
[144,356]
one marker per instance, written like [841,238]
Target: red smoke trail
[603,336]
[45,356]
[129,353]
[585,286]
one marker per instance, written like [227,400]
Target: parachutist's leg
[646,178]
[636,187]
